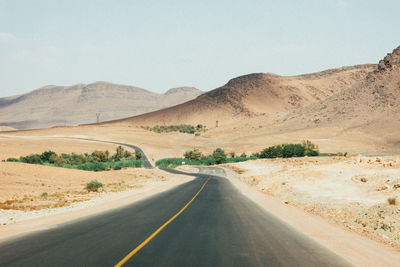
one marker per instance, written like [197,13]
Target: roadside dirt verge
[354,247]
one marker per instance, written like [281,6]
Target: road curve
[220,227]
[145,160]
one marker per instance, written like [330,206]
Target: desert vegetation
[93,186]
[306,148]
[96,161]
[182,128]
[196,157]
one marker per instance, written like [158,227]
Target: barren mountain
[371,106]
[257,94]
[78,104]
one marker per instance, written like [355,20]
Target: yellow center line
[133,252]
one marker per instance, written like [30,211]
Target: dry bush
[237,169]
[392,201]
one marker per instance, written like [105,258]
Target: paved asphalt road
[220,227]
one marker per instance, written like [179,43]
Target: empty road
[204,222]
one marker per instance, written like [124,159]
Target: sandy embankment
[294,189]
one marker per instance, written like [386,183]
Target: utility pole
[98,117]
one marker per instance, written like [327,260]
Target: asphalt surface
[221,227]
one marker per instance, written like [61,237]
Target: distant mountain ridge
[78,104]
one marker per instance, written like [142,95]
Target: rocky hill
[78,104]
[371,106]
[257,94]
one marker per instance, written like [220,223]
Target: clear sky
[162,44]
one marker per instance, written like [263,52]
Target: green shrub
[31,159]
[12,160]
[310,148]
[183,128]
[312,153]
[57,160]
[289,150]
[205,161]
[121,154]
[243,155]
[45,156]
[219,156]
[96,161]
[171,162]
[77,159]
[256,154]
[138,154]
[193,154]
[117,167]
[92,166]
[127,154]
[93,186]
[98,156]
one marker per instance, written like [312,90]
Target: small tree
[127,154]
[120,152]
[45,156]
[99,156]
[219,156]
[309,148]
[243,155]
[57,160]
[193,154]
[138,154]
[31,159]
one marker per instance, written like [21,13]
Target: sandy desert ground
[350,192]
[347,192]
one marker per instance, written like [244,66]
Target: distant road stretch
[204,222]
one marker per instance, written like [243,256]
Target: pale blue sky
[158,45]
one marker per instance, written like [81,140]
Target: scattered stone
[363,179]
[382,188]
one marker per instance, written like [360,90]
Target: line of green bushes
[169,163]
[306,148]
[182,128]
[96,161]
[196,157]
